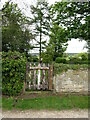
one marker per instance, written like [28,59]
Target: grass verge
[49,103]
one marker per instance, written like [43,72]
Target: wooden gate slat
[43,78]
[29,76]
[26,76]
[48,77]
[34,78]
[39,76]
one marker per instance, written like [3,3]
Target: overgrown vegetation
[60,60]
[13,73]
[58,68]
[80,58]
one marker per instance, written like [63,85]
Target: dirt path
[46,114]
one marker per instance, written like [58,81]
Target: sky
[74,45]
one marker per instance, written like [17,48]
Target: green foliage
[41,22]
[15,35]
[13,73]
[60,60]
[60,67]
[47,56]
[34,59]
[74,59]
[57,44]
[58,40]
[0,72]
[31,58]
[81,58]
[74,16]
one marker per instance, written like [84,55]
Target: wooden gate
[39,77]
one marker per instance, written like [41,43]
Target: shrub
[74,60]
[60,60]
[35,59]
[81,58]
[46,58]
[60,67]
[13,73]
[31,58]
[84,56]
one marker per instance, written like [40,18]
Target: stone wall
[72,81]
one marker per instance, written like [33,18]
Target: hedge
[60,60]
[13,73]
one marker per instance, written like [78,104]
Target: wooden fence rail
[39,77]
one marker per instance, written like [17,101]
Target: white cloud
[76,46]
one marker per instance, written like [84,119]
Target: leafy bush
[35,59]
[47,58]
[48,55]
[60,67]
[74,59]
[60,60]
[31,58]
[13,73]
[83,56]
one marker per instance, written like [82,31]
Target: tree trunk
[40,40]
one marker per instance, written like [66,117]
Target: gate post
[51,78]
[26,76]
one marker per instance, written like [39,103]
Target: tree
[15,33]
[48,55]
[0,32]
[41,23]
[5,6]
[58,40]
[74,16]
[57,44]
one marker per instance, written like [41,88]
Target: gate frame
[50,76]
